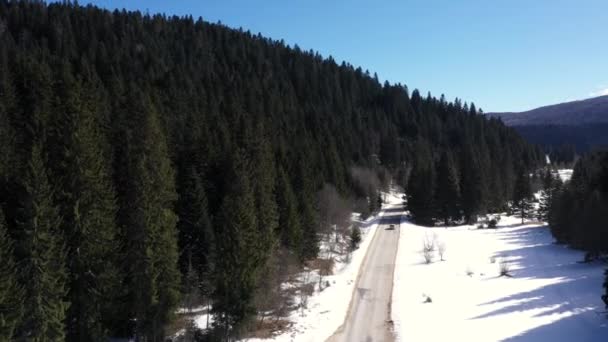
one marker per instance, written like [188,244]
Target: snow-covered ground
[326,310]
[565,174]
[550,296]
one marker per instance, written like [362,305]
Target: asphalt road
[368,318]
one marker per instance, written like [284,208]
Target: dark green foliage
[290,230]
[113,102]
[41,256]
[551,187]
[11,293]
[196,236]
[448,190]
[421,187]
[147,220]
[522,196]
[238,240]
[579,210]
[263,172]
[355,237]
[473,184]
[87,205]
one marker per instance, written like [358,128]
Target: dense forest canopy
[146,155]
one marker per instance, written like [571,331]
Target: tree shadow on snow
[539,258]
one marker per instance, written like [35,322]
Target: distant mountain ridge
[575,113]
[563,129]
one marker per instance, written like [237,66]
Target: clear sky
[504,55]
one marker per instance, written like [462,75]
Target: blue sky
[504,55]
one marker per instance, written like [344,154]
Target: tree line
[460,184]
[578,212]
[143,157]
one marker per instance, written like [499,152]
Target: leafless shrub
[306,290]
[504,268]
[428,247]
[441,248]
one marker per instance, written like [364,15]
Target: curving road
[368,318]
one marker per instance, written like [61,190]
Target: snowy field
[549,295]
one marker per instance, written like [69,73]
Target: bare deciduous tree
[428,247]
[504,268]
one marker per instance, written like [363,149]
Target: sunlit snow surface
[551,296]
[327,309]
[565,174]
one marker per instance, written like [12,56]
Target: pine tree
[149,237]
[355,237]
[591,235]
[473,185]
[11,292]
[522,195]
[448,189]
[87,206]
[550,187]
[237,243]
[290,230]
[263,172]
[42,267]
[309,220]
[196,236]
[561,211]
[421,187]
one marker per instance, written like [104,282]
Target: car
[391,227]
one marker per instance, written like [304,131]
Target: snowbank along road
[368,318]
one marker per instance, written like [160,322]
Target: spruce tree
[522,195]
[42,266]
[448,189]
[11,292]
[473,185]
[550,186]
[290,230]
[421,187]
[237,242]
[149,236]
[87,205]
[196,236]
[263,172]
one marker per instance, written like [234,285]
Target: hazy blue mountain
[594,110]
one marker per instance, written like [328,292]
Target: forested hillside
[146,156]
[564,129]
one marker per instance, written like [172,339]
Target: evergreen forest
[147,157]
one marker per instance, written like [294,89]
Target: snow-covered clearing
[549,296]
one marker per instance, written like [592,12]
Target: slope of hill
[564,128]
[144,157]
[594,110]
